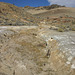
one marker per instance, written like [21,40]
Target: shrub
[60,30]
[73,29]
[73,22]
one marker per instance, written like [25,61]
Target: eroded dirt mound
[24,51]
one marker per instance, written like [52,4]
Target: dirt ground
[35,50]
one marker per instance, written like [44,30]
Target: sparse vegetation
[60,30]
[53,6]
[73,22]
[73,29]
[32,44]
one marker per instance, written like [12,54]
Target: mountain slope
[62,17]
[13,15]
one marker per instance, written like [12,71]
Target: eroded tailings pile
[24,52]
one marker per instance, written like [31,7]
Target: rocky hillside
[13,15]
[61,17]
[37,41]
[44,7]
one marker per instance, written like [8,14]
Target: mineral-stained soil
[31,50]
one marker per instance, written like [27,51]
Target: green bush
[73,22]
[60,30]
[73,29]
